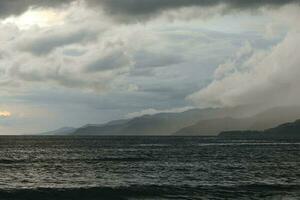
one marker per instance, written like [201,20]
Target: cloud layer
[261,77]
[139,9]
[135,9]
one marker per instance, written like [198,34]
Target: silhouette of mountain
[61,131]
[215,126]
[209,121]
[159,124]
[284,131]
[261,121]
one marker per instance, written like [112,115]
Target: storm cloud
[151,7]
[135,9]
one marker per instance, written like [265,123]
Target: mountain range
[208,121]
[260,121]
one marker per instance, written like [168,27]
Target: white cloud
[152,111]
[269,77]
[234,64]
[38,55]
[85,54]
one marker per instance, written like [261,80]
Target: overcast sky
[73,62]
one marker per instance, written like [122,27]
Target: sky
[77,62]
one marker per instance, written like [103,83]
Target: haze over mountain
[161,123]
[203,122]
[263,120]
[158,124]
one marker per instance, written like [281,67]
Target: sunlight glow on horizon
[38,17]
[5,114]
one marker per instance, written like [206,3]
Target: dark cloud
[145,62]
[63,79]
[135,9]
[112,61]
[44,44]
[143,9]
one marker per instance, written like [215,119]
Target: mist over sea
[68,167]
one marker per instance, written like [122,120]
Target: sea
[147,167]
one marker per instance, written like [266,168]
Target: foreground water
[147,168]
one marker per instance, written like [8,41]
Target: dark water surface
[147,168]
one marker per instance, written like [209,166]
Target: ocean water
[93,168]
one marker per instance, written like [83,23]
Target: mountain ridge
[162,123]
[60,131]
[263,120]
[207,121]
[290,130]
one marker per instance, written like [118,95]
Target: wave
[91,160]
[248,143]
[12,161]
[152,145]
[251,191]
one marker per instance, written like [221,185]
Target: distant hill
[274,117]
[283,131]
[61,131]
[261,121]
[208,121]
[215,126]
[159,124]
